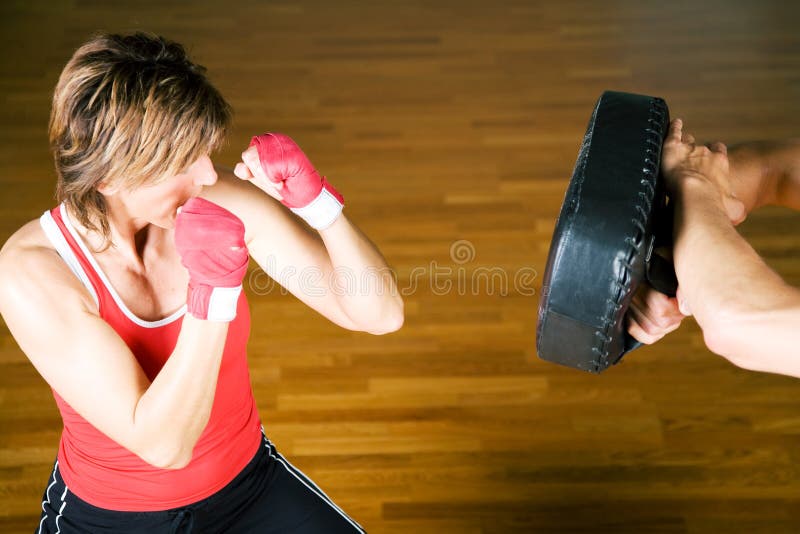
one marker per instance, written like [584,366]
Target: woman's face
[158,204]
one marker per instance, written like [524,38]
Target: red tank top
[105,474]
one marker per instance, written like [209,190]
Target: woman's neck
[128,237]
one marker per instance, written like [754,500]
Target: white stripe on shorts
[307,482]
[47,494]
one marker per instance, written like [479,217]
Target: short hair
[129,110]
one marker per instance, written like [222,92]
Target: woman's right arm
[56,324]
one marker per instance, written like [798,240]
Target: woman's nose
[205,175]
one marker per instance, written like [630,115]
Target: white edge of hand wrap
[222,304]
[321,212]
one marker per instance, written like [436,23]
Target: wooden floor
[451,127]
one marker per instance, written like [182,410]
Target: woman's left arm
[364,282]
[336,271]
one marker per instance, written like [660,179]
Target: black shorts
[269,495]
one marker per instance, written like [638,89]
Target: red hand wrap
[210,241]
[304,191]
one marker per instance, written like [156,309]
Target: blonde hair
[129,110]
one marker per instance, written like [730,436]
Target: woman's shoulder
[29,254]
[33,277]
[30,237]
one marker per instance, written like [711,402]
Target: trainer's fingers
[657,314]
[718,147]
[675,130]
[660,309]
[640,334]
[646,332]
[688,138]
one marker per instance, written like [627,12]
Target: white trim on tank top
[55,236]
[180,312]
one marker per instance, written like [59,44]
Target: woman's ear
[106,189]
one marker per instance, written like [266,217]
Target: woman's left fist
[278,166]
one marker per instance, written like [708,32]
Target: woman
[136,278]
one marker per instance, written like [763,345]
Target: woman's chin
[167,222]
[170,220]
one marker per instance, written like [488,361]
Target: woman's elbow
[389,327]
[166,458]
[171,463]
[391,321]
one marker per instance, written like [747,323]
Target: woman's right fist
[210,241]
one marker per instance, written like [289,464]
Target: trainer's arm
[92,369]
[766,173]
[748,314]
[762,173]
